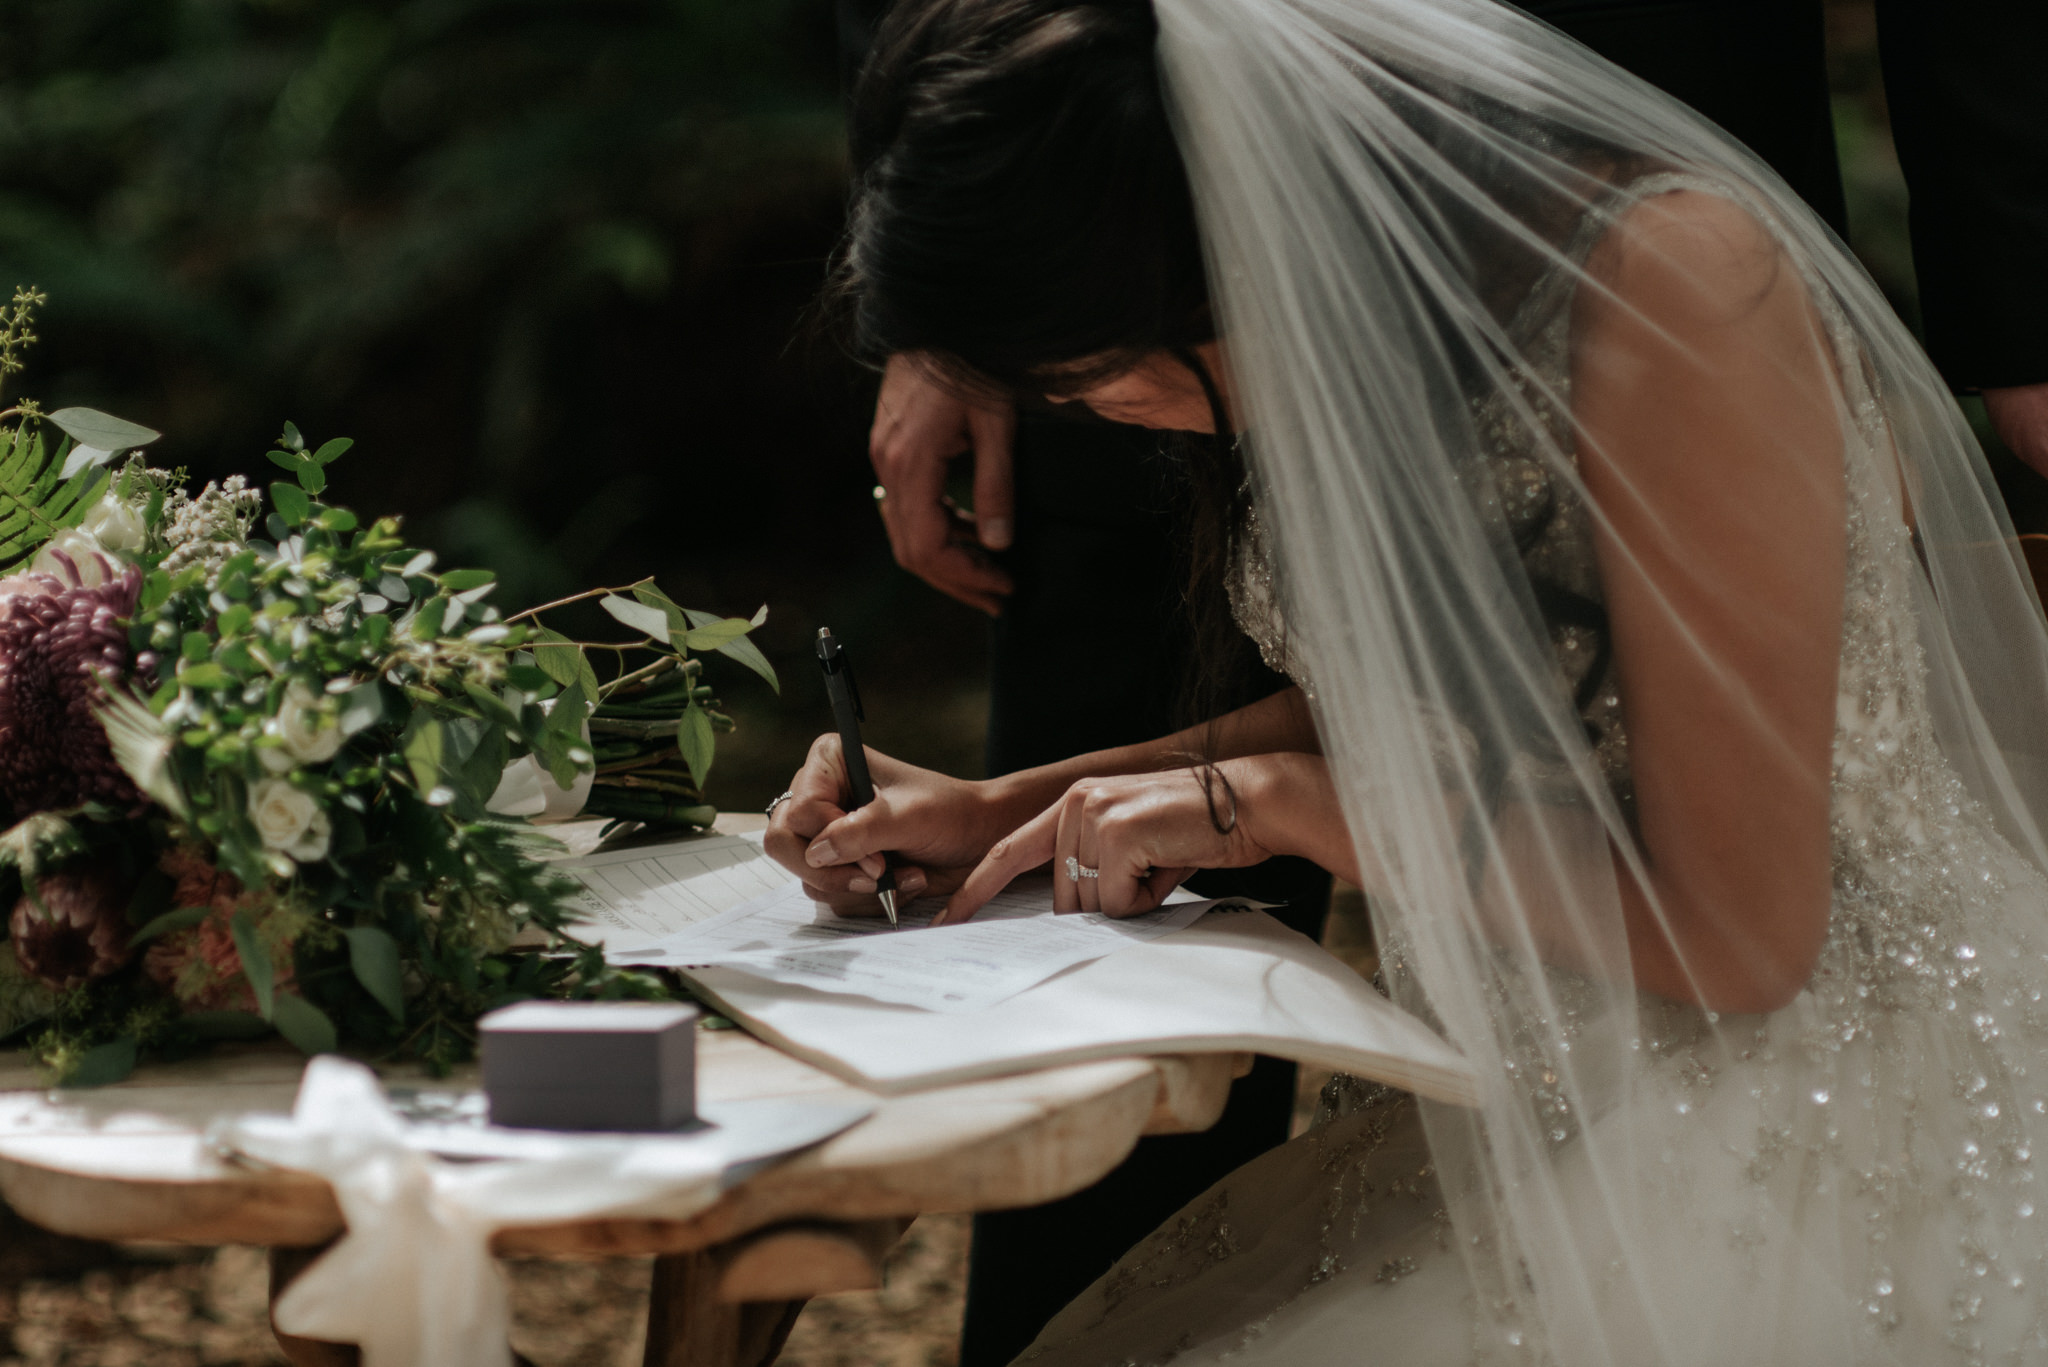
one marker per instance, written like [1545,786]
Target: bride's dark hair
[1021,210]
[1022,217]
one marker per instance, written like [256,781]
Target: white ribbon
[413,1281]
[529,790]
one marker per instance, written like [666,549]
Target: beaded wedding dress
[1400,200]
[1880,1128]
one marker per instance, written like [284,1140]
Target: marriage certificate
[1013,943]
[721,901]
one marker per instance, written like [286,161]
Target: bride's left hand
[1143,832]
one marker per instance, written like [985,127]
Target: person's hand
[937,827]
[2020,417]
[919,427]
[1144,833]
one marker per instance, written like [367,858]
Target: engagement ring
[777,803]
[1076,870]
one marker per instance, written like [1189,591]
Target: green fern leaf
[17,468]
[36,502]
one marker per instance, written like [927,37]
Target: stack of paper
[1012,944]
[1023,988]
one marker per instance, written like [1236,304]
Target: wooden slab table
[130,1162]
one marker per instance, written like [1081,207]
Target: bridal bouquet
[265,766]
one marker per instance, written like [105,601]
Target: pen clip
[832,656]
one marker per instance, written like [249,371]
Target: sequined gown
[1854,1184]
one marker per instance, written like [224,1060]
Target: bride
[1664,672]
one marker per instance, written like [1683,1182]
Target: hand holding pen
[935,829]
[847,715]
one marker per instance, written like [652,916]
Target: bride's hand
[1143,833]
[937,827]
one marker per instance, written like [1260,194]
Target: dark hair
[1021,210]
[1022,217]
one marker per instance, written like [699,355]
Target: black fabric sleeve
[1967,82]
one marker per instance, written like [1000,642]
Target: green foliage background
[544,258]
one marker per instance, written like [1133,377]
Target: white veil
[1382,185]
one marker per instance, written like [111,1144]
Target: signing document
[1014,943]
[628,898]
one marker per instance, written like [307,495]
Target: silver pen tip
[888,896]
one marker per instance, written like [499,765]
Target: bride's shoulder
[1686,252]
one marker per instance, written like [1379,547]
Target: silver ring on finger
[788,796]
[1076,870]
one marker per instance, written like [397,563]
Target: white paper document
[1230,983]
[630,897]
[1014,943]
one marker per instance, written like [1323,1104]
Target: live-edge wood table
[130,1162]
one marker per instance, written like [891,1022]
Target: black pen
[846,712]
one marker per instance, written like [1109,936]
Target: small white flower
[306,733]
[286,817]
[115,525]
[89,566]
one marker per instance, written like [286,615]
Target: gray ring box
[619,1066]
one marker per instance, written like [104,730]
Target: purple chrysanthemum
[57,641]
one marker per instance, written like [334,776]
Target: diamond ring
[1076,870]
[777,803]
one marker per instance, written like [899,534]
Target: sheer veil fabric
[1430,224]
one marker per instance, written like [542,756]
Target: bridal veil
[1398,199]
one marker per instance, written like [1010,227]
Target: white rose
[89,566]
[115,525]
[284,815]
[313,844]
[306,734]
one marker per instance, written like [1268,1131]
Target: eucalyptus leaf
[373,954]
[491,705]
[256,965]
[648,621]
[565,662]
[423,751]
[694,738]
[90,427]
[84,457]
[329,450]
[557,656]
[564,734]
[655,598]
[747,653]
[304,1024]
[291,502]
[715,634]
[103,1064]
[361,708]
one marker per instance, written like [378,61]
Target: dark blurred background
[548,261]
